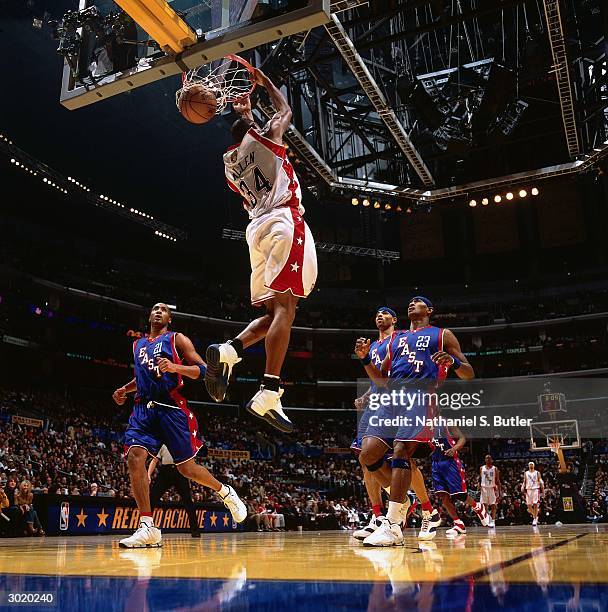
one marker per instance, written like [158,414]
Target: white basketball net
[227,79]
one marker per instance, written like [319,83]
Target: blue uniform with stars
[410,367]
[160,414]
[377,353]
[448,472]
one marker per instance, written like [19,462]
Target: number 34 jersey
[261,172]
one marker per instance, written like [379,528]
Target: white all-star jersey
[488,476]
[533,480]
[261,172]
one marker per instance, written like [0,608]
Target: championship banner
[21,420]
[220,453]
[74,515]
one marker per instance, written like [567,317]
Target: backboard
[106,53]
[542,433]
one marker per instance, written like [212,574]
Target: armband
[203,369]
[457,363]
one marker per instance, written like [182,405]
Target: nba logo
[64,516]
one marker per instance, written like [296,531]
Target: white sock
[147,521]
[223,491]
[394,512]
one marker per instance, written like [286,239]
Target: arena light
[473,203]
[398,209]
[498,199]
[365,201]
[509,196]
[387,206]
[376,205]
[485,201]
[355,202]
[409,211]
[534,191]
[523,193]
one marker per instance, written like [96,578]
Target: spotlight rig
[115,35]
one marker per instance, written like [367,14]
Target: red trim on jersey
[294,201]
[178,361]
[289,279]
[277,149]
[232,185]
[181,402]
[389,351]
[463,479]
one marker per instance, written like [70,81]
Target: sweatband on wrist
[457,363]
[365,360]
[203,370]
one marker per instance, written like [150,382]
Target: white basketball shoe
[234,504]
[374,523]
[144,537]
[266,404]
[387,534]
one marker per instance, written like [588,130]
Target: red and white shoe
[482,515]
[457,530]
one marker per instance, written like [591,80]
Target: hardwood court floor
[548,568]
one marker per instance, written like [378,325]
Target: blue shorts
[406,425]
[176,427]
[449,476]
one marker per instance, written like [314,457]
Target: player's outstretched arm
[281,120]
[120,395]
[186,349]
[452,357]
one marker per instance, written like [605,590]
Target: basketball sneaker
[234,504]
[387,534]
[373,524]
[220,358]
[430,522]
[144,537]
[491,523]
[482,514]
[266,404]
[456,530]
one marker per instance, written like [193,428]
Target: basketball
[197,104]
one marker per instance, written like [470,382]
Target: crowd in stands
[289,481]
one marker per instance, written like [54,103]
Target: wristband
[203,369]
[365,360]
[456,363]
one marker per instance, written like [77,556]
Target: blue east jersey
[160,414]
[377,353]
[411,370]
[410,353]
[448,472]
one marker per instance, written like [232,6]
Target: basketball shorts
[532,496]
[282,254]
[150,428]
[449,477]
[488,496]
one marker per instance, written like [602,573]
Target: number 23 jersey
[259,169]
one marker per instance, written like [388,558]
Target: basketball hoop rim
[239,60]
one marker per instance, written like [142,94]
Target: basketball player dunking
[534,488]
[489,477]
[281,250]
[161,416]
[422,353]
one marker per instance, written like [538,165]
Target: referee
[169,476]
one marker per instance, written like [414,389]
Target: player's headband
[387,309]
[421,298]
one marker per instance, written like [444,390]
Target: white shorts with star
[282,253]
